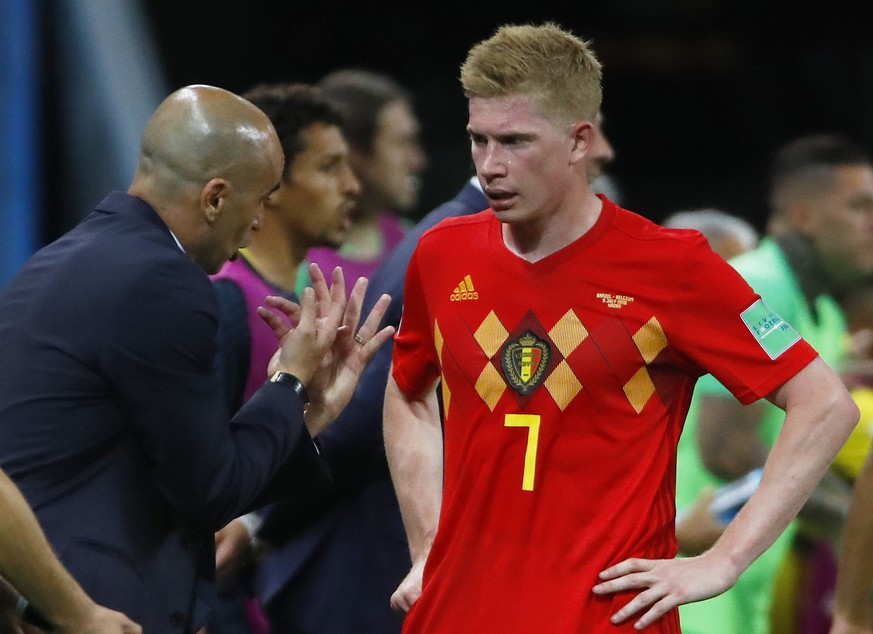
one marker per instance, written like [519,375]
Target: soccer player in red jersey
[566,335]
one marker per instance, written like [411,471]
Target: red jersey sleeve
[415,361]
[730,332]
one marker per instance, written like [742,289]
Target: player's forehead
[492,116]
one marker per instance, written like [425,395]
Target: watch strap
[286,378]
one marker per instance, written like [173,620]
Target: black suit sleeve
[234,343]
[159,352]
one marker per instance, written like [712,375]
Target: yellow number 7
[532,422]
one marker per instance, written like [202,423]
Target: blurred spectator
[383,135]
[728,235]
[311,208]
[820,240]
[853,611]
[857,303]
[600,155]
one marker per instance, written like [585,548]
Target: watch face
[283,377]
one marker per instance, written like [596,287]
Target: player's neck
[276,258]
[364,240]
[541,237]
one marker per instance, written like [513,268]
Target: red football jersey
[565,386]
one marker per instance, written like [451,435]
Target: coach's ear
[212,199]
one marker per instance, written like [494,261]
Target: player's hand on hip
[664,584]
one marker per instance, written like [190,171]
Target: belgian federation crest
[525,361]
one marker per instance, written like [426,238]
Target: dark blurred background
[697,93]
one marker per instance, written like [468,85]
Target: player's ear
[582,135]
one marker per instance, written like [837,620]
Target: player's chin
[509,215]
[406,199]
[334,240]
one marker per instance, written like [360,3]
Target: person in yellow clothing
[849,461]
[858,375]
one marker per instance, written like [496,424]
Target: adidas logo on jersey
[464,291]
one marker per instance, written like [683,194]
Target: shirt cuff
[252,522]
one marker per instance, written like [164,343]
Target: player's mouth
[501,200]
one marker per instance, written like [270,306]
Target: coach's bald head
[208,160]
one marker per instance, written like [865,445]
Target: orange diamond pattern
[650,339]
[490,386]
[568,333]
[447,397]
[491,335]
[639,389]
[563,385]
[438,343]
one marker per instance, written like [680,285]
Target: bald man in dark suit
[112,420]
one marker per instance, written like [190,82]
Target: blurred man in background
[312,207]
[386,154]
[819,240]
[853,607]
[728,235]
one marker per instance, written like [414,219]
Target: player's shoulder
[450,228]
[634,226]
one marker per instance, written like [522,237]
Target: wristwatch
[286,378]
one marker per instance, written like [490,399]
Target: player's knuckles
[656,612]
[635,581]
[630,567]
[630,609]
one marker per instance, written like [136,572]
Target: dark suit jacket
[112,421]
[344,552]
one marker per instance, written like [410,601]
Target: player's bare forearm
[820,414]
[414,448]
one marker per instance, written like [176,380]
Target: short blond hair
[559,69]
